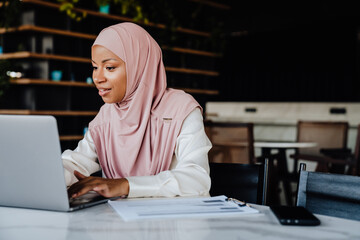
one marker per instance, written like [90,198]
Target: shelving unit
[26,81]
[92,37]
[117,17]
[213,4]
[48,40]
[19,55]
[48,112]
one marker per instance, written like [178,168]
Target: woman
[148,140]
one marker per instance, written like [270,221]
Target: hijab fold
[137,136]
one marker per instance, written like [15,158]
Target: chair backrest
[357,153]
[245,182]
[329,194]
[232,142]
[325,134]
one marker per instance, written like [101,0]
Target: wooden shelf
[45,112]
[47,30]
[212,4]
[71,137]
[200,91]
[28,81]
[191,51]
[19,55]
[192,71]
[118,18]
[92,37]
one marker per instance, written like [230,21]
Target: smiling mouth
[103,92]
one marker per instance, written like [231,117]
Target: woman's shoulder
[176,94]
[102,116]
[176,103]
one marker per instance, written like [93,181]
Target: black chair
[245,182]
[329,194]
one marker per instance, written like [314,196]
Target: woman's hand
[103,186]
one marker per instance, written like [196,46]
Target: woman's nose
[98,77]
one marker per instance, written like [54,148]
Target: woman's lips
[104,91]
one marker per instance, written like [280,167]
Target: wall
[277,121]
[294,51]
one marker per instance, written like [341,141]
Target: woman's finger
[78,175]
[81,191]
[102,189]
[82,186]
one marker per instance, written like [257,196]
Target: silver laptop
[31,170]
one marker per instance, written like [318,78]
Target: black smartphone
[289,215]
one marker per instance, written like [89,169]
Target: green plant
[5,65]
[132,8]
[9,13]
[68,7]
[102,2]
[167,13]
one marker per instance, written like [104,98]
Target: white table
[101,222]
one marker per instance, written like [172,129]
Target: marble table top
[102,222]
[283,144]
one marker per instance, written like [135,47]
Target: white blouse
[188,174]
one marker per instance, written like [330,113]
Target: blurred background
[268,63]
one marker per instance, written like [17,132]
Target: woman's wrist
[121,187]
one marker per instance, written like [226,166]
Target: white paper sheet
[178,208]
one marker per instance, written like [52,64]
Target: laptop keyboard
[86,198]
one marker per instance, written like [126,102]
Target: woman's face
[109,74]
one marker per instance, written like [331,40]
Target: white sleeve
[82,159]
[189,170]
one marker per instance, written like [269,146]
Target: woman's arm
[188,174]
[80,163]
[83,159]
[189,171]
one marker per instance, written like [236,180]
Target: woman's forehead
[103,54]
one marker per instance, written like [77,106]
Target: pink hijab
[137,136]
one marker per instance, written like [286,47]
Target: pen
[238,202]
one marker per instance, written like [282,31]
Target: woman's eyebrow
[105,60]
[109,59]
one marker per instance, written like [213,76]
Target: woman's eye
[94,68]
[110,68]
